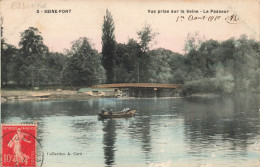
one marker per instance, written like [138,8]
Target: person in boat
[126,109]
[104,111]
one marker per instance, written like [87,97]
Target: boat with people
[121,114]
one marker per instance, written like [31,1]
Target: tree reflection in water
[200,129]
[109,139]
[143,133]
[213,122]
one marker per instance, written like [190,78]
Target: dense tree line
[207,66]
[32,65]
[226,67]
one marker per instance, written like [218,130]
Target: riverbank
[60,94]
[28,95]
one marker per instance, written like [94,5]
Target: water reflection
[218,123]
[140,129]
[109,139]
[191,132]
[144,129]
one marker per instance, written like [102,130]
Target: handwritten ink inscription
[232,19]
[194,18]
[23,5]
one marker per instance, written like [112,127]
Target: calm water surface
[197,131]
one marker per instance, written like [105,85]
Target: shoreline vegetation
[31,95]
[61,94]
[58,94]
[207,66]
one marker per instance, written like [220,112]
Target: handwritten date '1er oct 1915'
[232,19]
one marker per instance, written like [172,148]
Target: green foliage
[207,59]
[127,62]
[146,36]
[223,83]
[133,60]
[144,67]
[32,65]
[193,42]
[54,64]
[84,66]
[8,55]
[162,66]
[227,67]
[108,47]
[32,53]
[210,66]
[32,42]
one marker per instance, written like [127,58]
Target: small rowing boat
[121,114]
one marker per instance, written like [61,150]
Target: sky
[86,18]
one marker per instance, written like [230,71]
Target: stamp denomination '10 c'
[18,145]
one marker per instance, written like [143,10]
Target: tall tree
[108,47]
[146,36]
[84,66]
[32,42]
[33,51]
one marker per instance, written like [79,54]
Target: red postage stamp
[18,145]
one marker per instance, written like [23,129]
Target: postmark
[19,145]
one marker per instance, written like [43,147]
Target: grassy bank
[14,95]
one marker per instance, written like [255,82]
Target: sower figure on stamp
[15,143]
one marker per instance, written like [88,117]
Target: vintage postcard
[124,83]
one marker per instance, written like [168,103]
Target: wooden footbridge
[143,89]
[139,85]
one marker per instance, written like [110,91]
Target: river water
[196,131]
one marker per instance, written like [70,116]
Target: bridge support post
[155,92]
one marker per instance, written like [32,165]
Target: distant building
[111,92]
